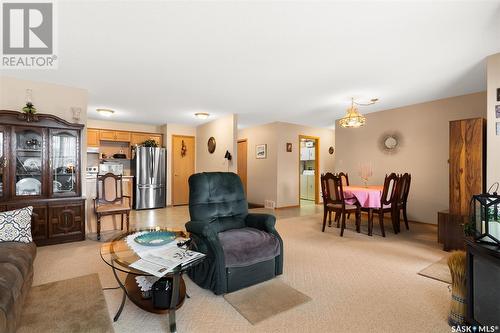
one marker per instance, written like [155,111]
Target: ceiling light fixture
[354,119]
[201,115]
[105,112]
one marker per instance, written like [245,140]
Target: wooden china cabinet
[40,166]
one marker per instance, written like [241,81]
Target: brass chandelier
[354,119]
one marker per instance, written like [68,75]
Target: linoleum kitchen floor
[357,283]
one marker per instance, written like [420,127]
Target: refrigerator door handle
[150,186]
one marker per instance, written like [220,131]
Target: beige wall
[493,146]
[423,153]
[288,163]
[224,130]
[262,181]
[276,178]
[123,126]
[47,98]
[168,131]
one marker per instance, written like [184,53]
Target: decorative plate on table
[155,238]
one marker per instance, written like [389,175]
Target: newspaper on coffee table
[161,260]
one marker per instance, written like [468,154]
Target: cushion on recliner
[248,246]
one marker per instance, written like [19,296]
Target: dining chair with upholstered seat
[387,204]
[110,200]
[402,191]
[334,201]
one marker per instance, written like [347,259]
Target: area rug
[265,300]
[72,305]
[438,271]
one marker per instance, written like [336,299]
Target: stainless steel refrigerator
[148,168]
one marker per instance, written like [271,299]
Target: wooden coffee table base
[134,294]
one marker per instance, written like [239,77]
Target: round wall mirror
[390,142]
[211,145]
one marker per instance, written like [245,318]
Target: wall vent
[270,204]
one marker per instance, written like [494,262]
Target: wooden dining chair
[344,177]
[387,204]
[110,200]
[402,191]
[333,201]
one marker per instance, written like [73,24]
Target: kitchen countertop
[95,177]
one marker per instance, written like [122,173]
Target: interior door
[183,155]
[242,162]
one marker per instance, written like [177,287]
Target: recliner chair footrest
[242,277]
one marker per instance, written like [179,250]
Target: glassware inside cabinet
[64,154]
[29,162]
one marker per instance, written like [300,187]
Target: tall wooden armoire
[467,168]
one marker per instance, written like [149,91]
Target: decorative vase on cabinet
[40,167]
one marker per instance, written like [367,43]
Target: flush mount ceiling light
[106,112]
[201,115]
[354,119]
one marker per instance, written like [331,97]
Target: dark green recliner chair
[242,249]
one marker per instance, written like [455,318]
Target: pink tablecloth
[368,197]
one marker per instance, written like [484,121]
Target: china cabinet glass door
[64,162]
[29,161]
[3,162]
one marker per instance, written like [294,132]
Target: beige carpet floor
[357,283]
[66,306]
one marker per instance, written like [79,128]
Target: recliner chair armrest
[264,222]
[201,229]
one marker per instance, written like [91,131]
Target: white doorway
[308,170]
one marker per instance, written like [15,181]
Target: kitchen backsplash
[93,160]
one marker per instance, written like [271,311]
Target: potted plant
[29,108]
[150,143]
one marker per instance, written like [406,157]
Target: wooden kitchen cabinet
[157,138]
[92,137]
[108,135]
[122,136]
[139,138]
[95,137]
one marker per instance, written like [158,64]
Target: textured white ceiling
[158,62]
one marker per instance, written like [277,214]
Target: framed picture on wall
[289,147]
[498,127]
[261,151]
[497,111]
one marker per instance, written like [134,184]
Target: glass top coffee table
[119,256]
